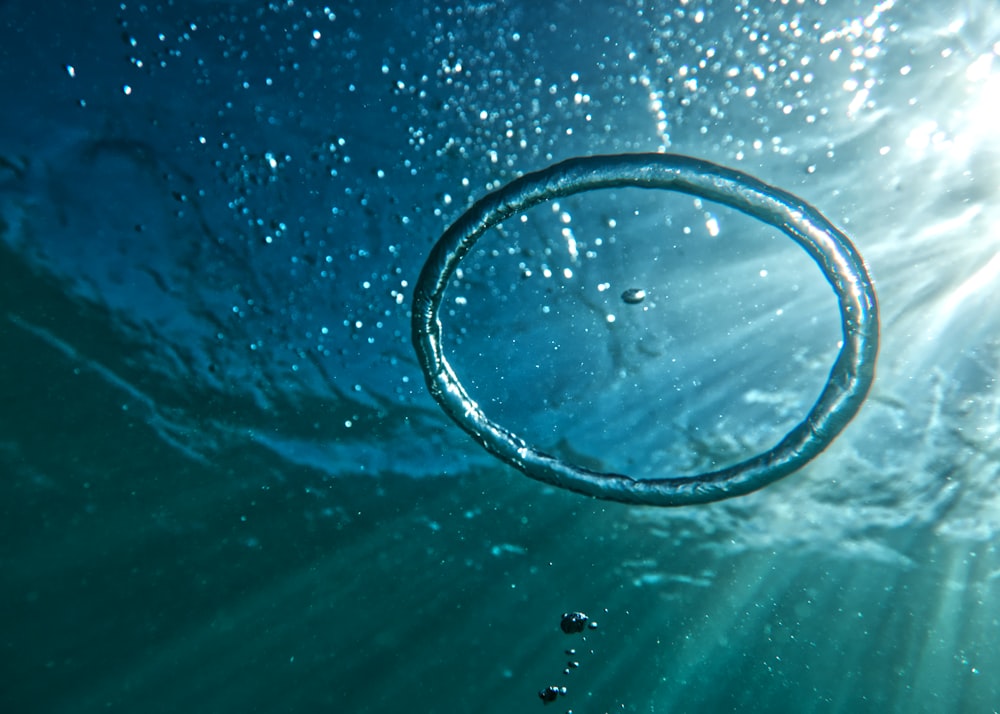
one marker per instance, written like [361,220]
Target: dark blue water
[225,488]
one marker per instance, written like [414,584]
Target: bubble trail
[846,387]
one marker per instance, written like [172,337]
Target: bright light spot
[571,245]
[981,70]
[858,102]
[924,134]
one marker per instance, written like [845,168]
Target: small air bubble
[634,296]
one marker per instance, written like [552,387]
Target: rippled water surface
[224,486]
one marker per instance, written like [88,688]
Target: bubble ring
[846,388]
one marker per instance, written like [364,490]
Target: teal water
[139,579]
[225,488]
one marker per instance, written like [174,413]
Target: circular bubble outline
[846,387]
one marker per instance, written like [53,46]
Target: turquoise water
[225,488]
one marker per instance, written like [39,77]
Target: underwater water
[225,487]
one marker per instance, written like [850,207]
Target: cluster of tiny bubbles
[466,114]
[714,83]
[325,200]
[345,238]
[462,109]
[768,78]
[571,623]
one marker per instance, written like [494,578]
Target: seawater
[225,488]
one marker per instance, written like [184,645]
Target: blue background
[224,487]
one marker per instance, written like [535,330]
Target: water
[225,487]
